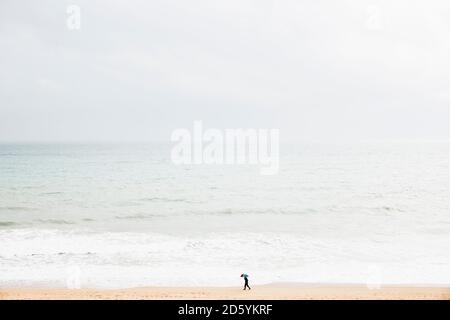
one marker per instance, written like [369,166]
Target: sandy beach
[265,292]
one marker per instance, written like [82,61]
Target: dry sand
[273,291]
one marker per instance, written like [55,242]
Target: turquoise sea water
[125,215]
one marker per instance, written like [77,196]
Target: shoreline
[288,291]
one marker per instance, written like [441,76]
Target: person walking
[245,276]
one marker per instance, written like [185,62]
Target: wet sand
[264,292]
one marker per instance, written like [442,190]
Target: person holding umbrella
[245,276]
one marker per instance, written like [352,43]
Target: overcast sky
[136,70]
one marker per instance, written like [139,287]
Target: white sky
[136,70]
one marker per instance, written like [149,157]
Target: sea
[124,215]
